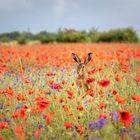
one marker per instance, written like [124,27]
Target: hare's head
[81,66]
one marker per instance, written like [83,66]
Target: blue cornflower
[114,116]
[19,107]
[1,106]
[138,120]
[108,94]
[64,69]
[49,92]
[40,126]
[124,130]
[95,125]
[134,136]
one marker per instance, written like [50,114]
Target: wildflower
[86,137]
[10,93]
[67,125]
[49,92]
[71,114]
[95,125]
[57,87]
[42,103]
[114,92]
[103,116]
[118,79]
[90,80]
[80,129]
[135,98]
[19,131]
[114,116]
[65,108]
[61,100]
[102,105]
[1,106]
[30,91]
[70,94]
[37,133]
[3,125]
[1,138]
[15,115]
[49,117]
[80,108]
[23,113]
[104,83]
[19,107]
[134,136]
[120,99]
[125,117]
[91,92]
[137,79]
[93,71]
[123,132]
[50,74]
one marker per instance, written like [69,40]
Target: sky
[50,15]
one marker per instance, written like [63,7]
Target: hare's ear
[76,58]
[88,58]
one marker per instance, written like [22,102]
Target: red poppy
[125,117]
[71,114]
[19,131]
[70,94]
[65,108]
[90,80]
[30,91]
[42,103]
[10,93]
[91,92]
[23,113]
[114,92]
[80,129]
[49,117]
[37,133]
[1,138]
[118,79]
[80,108]
[137,79]
[50,74]
[135,98]
[120,99]
[92,71]
[103,115]
[15,115]
[104,83]
[61,100]
[4,125]
[67,125]
[102,105]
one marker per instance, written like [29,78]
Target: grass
[38,93]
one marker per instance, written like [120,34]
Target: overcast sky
[78,14]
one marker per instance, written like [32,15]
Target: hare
[82,74]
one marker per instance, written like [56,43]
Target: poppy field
[38,92]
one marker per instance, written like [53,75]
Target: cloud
[78,14]
[59,8]
[62,7]
[9,5]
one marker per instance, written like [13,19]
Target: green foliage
[46,37]
[22,41]
[72,35]
[118,35]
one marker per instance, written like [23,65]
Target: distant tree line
[72,35]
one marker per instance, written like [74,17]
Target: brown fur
[82,75]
